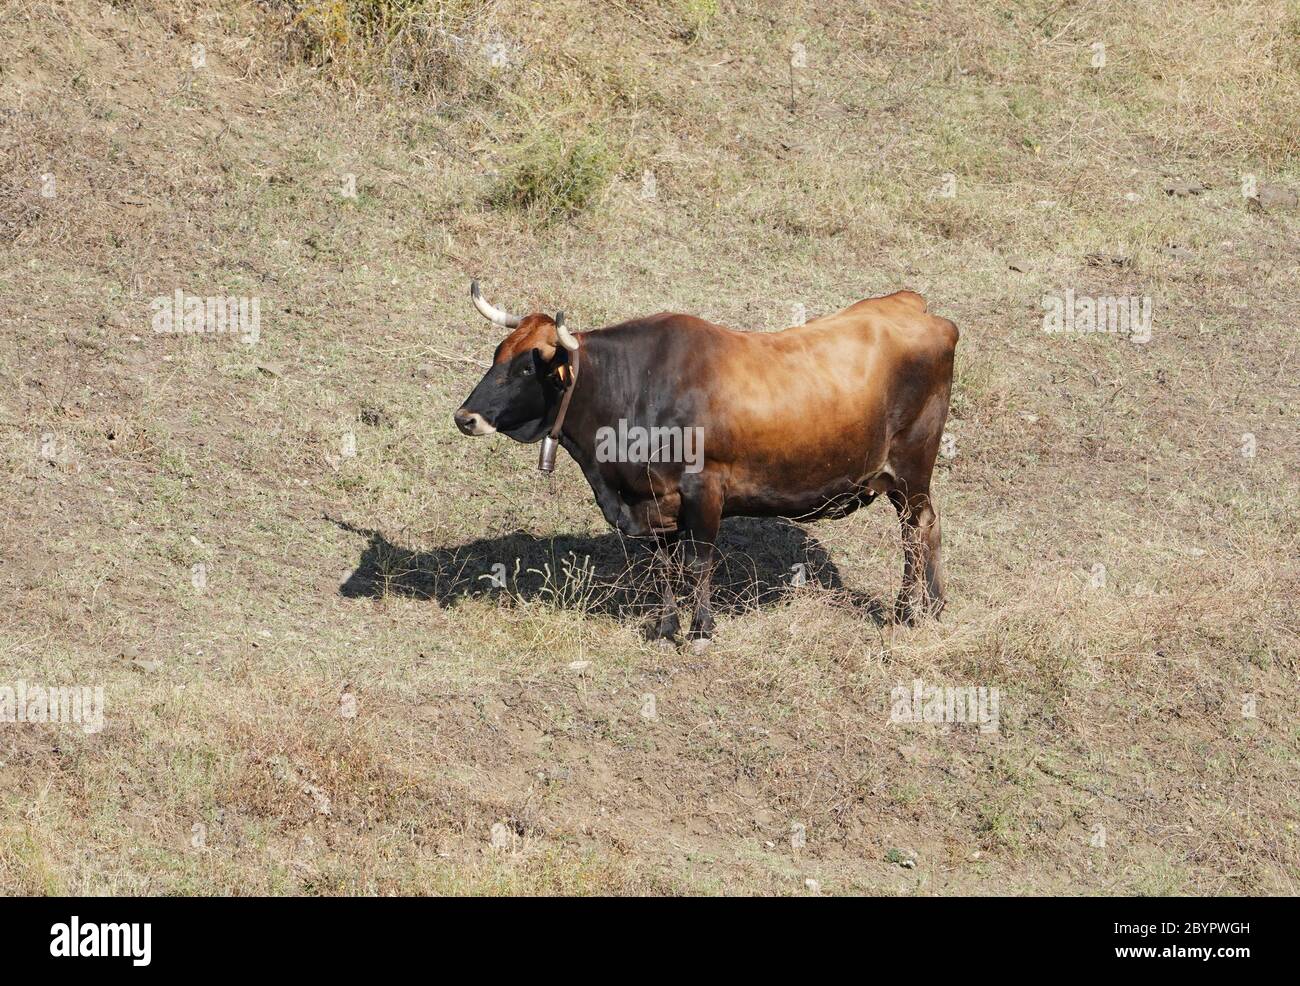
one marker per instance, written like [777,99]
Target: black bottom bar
[1182,936]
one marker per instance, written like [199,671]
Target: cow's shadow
[762,561]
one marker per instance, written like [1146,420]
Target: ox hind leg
[922,593]
[913,454]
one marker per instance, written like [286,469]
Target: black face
[517,398]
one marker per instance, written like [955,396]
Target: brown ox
[814,421]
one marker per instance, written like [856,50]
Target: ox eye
[526,371]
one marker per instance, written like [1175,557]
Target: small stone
[319,798]
[814,886]
[798,835]
[271,369]
[905,858]
[649,708]
[501,836]
[1018,264]
[148,667]
[579,666]
[1183,188]
[1275,197]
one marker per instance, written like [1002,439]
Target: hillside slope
[275,555]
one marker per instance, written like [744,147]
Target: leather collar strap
[546,457]
[568,394]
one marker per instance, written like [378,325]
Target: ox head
[520,394]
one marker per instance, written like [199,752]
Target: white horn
[566,337]
[493,314]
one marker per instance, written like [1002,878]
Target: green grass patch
[552,178]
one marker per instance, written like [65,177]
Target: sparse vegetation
[338,701]
[554,179]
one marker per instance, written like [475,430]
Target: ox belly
[828,478]
[834,493]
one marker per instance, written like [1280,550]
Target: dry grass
[344,527]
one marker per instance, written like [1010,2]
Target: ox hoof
[911,613]
[700,645]
[666,629]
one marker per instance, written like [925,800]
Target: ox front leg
[701,517]
[665,624]
[922,593]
